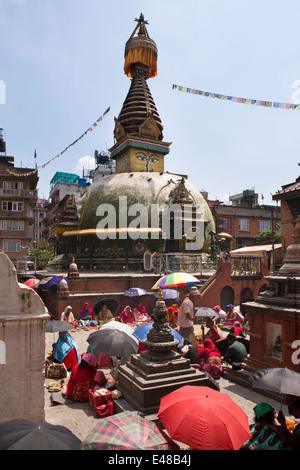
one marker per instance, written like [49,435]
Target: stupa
[160,369]
[139,180]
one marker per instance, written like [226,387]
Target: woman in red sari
[83,378]
[127,315]
[210,359]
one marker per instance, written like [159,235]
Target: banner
[90,129]
[235,99]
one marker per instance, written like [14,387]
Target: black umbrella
[55,326]
[21,434]
[111,304]
[205,312]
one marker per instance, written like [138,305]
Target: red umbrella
[31,282]
[204,419]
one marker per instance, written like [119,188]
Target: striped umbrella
[125,431]
[175,280]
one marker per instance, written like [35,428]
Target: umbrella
[52,284]
[125,431]
[55,326]
[204,419]
[43,282]
[278,380]
[111,304]
[113,342]
[21,434]
[135,292]
[175,280]
[141,333]
[118,326]
[32,282]
[168,294]
[205,312]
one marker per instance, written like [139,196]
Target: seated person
[66,350]
[265,434]
[233,316]
[220,314]
[236,352]
[140,314]
[127,315]
[189,352]
[210,360]
[87,317]
[105,314]
[84,376]
[67,316]
[292,438]
[212,333]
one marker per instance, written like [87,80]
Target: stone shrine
[274,317]
[159,370]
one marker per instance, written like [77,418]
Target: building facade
[18,196]
[244,219]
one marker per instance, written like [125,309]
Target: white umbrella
[118,326]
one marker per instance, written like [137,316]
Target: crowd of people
[269,430]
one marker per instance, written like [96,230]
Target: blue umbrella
[141,333]
[135,292]
[168,294]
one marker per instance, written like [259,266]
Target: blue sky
[62,65]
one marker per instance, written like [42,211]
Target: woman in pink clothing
[140,313]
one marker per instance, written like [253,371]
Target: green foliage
[265,238]
[43,253]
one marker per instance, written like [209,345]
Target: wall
[22,339]
[211,291]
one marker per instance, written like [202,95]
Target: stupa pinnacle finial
[140,49]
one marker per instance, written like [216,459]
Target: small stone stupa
[160,370]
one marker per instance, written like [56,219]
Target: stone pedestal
[160,370]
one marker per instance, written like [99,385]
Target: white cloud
[87,162]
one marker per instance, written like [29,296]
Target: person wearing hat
[265,434]
[233,316]
[221,315]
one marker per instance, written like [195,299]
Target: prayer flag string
[90,129]
[235,99]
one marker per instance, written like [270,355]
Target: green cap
[261,409]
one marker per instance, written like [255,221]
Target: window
[11,246]
[11,225]
[12,185]
[12,206]
[224,223]
[264,225]
[244,225]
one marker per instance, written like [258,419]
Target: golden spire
[140,49]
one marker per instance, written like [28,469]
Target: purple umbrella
[52,284]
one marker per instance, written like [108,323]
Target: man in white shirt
[221,315]
[185,318]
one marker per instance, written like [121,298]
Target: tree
[265,238]
[43,253]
